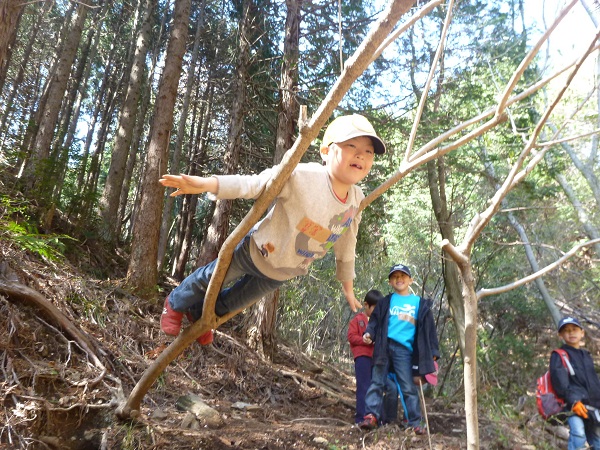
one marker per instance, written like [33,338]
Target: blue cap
[399,268]
[567,320]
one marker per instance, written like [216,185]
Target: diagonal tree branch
[508,287]
[353,68]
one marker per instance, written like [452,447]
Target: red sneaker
[369,422]
[170,321]
[206,338]
[420,429]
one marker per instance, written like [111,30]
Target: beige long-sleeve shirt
[306,220]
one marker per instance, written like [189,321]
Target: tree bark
[17,87]
[109,203]
[36,170]
[10,14]
[259,323]
[141,275]
[437,190]
[219,226]
[167,218]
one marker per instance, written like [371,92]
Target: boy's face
[369,309]
[400,282]
[572,335]
[350,161]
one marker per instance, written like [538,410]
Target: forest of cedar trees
[489,191]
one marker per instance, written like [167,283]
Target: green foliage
[16,228]
[92,309]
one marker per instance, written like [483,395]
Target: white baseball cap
[347,127]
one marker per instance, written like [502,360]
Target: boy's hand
[580,409]
[367,338]
[187,184]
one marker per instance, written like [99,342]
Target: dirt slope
[59,388]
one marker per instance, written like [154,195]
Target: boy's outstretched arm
[189,184]
[348,288]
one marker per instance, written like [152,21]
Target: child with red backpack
[580,389]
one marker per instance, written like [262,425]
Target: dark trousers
[362,368]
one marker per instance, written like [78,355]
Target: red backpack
[548,403]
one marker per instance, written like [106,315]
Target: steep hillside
[75,345]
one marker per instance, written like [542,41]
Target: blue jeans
[582,430]
[400,361]
[250,285]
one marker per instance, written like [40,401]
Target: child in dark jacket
[580,390]
[363,362]
[403,330]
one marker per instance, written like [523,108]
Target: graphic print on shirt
[314,241]
[405,313]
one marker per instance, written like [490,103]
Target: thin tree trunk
[184,241]
[585,220]
[167,218]
[146,229]
[259,323]
[82,93]
[60,152]
[139,149]
[109,203]
[437,190]
[219,227]
[10,14]
[587,168]
[17,84]
[548,300]
[49,117]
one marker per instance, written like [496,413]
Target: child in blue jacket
[403,331]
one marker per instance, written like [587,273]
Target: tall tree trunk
[138,149]
[17,84]
[437,190]
[82,94]
[167,218]
[10,14]
[259,323]
[109,203]
[219,227]
[35,172]
[141,274]
[184,241]
[60,152]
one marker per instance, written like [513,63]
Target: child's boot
[206,338]
[170,320]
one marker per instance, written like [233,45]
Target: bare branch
[567,139]
[423,99]
[530,56]
[516,174]
[414,19]
[509,287]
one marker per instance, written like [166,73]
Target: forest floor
[58,393]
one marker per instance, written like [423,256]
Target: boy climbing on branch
[316,210]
